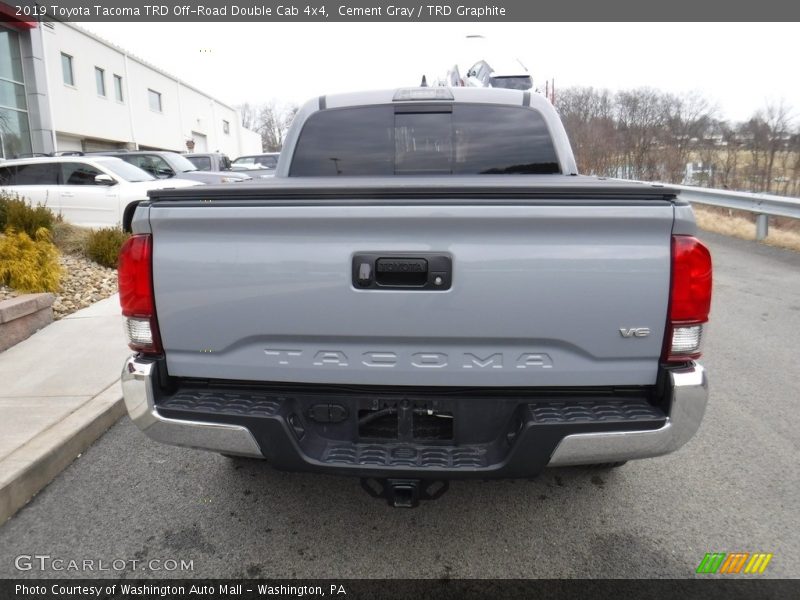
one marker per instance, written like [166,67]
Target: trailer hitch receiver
[404,493]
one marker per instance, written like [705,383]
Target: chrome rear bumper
[137,389]
[689,395]
[688,390]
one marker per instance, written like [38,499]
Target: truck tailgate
[544,294]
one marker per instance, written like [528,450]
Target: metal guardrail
[763,205]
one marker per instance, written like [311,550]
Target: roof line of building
[143,62]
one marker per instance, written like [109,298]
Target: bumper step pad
[604,411]
[224,403]
[508,435]
[404,455]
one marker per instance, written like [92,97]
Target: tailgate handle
[405,272]
[409,272]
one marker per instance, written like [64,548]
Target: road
[733,488]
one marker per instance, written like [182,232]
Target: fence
[763,205]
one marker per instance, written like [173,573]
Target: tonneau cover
[449,190]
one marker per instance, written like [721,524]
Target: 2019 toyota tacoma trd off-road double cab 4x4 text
[426,290]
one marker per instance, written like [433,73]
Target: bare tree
[777,119]
[648,134]
[794,150]
[588,117]
[640,119]
[270,120]
[731,147]
[249,115]
[273,122]
[687,121]
[756,140]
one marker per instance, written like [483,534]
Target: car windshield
[268,162]
[182,164]
[125,170]
[265,161]
[201,162]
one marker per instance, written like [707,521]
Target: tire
[127,216]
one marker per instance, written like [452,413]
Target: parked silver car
[164,165]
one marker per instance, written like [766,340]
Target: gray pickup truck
[209,161]
[426,290]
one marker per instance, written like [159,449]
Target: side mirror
[104,179]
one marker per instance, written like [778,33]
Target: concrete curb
[22,316]
[28,469]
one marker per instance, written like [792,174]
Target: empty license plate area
[405,420]
[390,418]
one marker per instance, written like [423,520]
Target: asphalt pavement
[734,487]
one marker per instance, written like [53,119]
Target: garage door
[99,145]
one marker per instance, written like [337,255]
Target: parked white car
[91,191]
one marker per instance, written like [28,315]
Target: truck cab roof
[429,99]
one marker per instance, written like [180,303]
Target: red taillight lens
[136,294]
[135,280]
[690,298]
[691,280]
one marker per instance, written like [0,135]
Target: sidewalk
[59,392]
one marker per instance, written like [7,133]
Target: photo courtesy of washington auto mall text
[167,589]
[379,299]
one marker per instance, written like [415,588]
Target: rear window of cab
[459,139]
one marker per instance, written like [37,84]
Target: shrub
[29,265]
[103,246]
[17,215]
[69,238]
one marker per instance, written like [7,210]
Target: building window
[118,88]
[226,127]
[100,81]
[154,98]
[66,69]
[10,55]
[15,135]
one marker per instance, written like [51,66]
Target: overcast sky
[738,66]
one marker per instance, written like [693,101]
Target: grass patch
[71,239]
[782,233]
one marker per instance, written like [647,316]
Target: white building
[63,88]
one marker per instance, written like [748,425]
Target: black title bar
[733,588]
[409,11]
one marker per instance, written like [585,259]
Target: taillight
[690,298]
[135,275]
